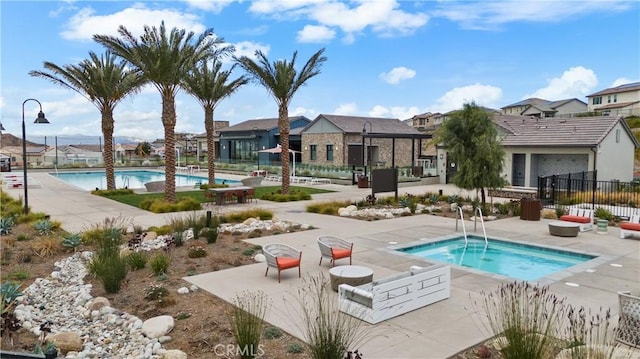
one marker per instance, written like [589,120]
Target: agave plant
[8,293]
[5,225]
[44,227]
[72,241]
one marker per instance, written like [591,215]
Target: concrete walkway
[437,331]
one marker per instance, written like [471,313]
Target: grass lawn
[136,199]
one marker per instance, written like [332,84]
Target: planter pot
[629,322]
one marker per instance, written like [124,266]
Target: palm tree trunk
[169,123]
[209,127]
[283,128]
[107,131]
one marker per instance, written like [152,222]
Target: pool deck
[436,331]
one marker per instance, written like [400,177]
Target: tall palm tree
[209,86]
[164,60]
[104,82]
[282,81]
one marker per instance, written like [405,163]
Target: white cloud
[346,109]
[397,74]
[247,48]
[85,23]
[306,112]
[315,34]
[399,112]
[208,5]
[492,14]
[575,82]
[482,95]
[617,82]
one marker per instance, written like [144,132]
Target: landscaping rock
[173,354]
[66,341]
[157,326]
[98,303]
[260,258]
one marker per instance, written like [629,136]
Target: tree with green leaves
[210,85]
[104,82]
[143,149]
[473,143]
[282,81]
[164,58]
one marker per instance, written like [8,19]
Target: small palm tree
[282,81]
[209,85]
[164,58]
[104,82]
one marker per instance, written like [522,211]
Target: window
[615,98]
[329,152]
[609,99]
[597,100]
[313,152]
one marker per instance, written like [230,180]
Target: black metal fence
[582,189]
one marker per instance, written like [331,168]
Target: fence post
[594,188]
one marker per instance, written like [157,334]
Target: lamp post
[255,139]
[40,119]
[364,133]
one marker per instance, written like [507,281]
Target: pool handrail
[475,221]
[460,216]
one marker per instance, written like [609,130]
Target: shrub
[46,247]
[155,292]
[137,260]
[162,230]
[247,321]
[20,274]
[72,241]
[238,217]
[160,263]
[162,206]
[6,224]
[197,251]
[295,348]
[272,333]
[44,227]
[330,208]
[107,264]
[603,213]
[23,237]
[178,238]
[211,234]
[278,196]
[256,233]
[112,192]
[248,252]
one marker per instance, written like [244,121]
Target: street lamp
[40,119]
[364,133]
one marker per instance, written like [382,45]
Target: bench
[580,215]
[396,295]
[631,227]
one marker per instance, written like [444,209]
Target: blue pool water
[515,260]
[130,179]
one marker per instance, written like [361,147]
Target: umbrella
[278,149]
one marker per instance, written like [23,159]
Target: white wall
[615,158]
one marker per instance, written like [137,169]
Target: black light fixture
[40,119]
[1,127]
[364,133]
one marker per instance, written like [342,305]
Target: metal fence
[583,190]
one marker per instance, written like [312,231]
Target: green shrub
[603,213]
[112,192]
[197,251]
[210,234]
[330,208]
[108,265]
[160,263]
[155,292]
[6,224]
[294,195]
[162,206]
[272,333]
[137,260]
[239,217]
[247,321]
[44,227]
[23,237]
[248,252]
[295,348]
[72,241]
[256,233]
[162,230]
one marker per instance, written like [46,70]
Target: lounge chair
[334,248]
[281,257]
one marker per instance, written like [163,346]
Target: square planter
[629,322]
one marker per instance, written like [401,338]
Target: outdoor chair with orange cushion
[281,257]
[334,248]
[630,227]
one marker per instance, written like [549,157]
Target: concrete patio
[437,331]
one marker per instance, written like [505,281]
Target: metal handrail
[461,217]
[475,221]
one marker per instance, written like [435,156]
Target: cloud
[346,109]
[617,82]
[302,111]
[575,82]
[482,95]
[483,15]
[381,16]
[85,23]
[315,34]
[397,74]
[399,112]
[207,5]
[248,48]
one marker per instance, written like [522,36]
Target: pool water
[130,179]
[515,260]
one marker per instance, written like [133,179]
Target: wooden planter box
[629,322]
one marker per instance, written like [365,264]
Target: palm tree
[209,86]
[104,82]
[282,81]
[164,59]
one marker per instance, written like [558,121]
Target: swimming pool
[511,259]
[130,179]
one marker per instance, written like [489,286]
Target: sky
[385,58]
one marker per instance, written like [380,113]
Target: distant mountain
[11,140]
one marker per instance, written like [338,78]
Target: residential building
[35,155]
[623,100]
[72,154]
[539,108]
[425,122]
[544,147]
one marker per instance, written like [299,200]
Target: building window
[615,98]
[609,99]
[313,152]
[597,100]
[329,152]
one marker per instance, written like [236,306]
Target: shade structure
[278,149]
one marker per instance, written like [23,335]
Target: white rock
[260,258]
[183,290]
[193,287]
[157,326]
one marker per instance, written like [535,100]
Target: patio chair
[281,257]
[334,248]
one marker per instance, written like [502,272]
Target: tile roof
[263,124]
[556,131]
[355,124]
[634,86]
